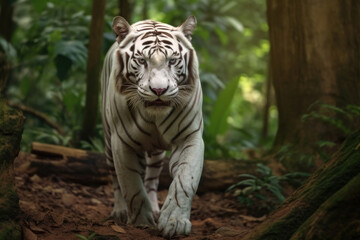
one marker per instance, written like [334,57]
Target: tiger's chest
[135,128]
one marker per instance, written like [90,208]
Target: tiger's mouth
[158,103]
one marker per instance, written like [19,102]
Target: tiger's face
[157,63]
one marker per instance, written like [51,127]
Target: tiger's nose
[159,91]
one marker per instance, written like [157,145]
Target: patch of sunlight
[157,16]
[247,86]
[231,121]
[263,49]
[247,32]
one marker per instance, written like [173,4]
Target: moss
[10,231]
[306,200]
[336,218]
[11,127]
[9,203]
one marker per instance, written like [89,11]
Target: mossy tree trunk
[11,127]
[315,52]
[325,207]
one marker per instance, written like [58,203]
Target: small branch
[38,115]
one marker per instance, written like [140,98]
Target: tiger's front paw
[119,215]
[174,221]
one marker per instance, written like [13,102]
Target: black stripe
[145,29]
[136,123]
[173,152]
[190,145]
[181,185]
[157,153]
[183,130]
[144,119]
[121,139]
[151,190]
[157,164]
[172,167]
[132,199]
[177,202]
[147,42]
[133,170]
[151,178]
[138,213]
[166,42]
[167,117]
[177,116]
[191,108]
[167,34]
[195,130]
[123,125]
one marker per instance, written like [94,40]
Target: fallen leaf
[228,232]
[57,218]
[36,229]
[28,234]
[35,178]
[118,229]
[95,201]
[253,219]
[68,199]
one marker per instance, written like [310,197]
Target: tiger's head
[158,67]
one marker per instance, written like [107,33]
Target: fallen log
[90,168]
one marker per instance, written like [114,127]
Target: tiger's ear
[121,28]
[188,27]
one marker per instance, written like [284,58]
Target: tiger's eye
[141,60]
[172,61]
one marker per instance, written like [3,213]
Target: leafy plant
[295,159]
[91,236]
[326,113]
[265,187]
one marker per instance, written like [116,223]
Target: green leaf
[235,23]
[8,49]
[75,51]
[247,176]
[222,36]
[218,118]
[81,237]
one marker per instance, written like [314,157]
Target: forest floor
[53,209]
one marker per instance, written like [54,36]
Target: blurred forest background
[47,45]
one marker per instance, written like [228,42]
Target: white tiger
[151,102]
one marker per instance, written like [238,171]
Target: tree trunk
[11,127]
[93,69]
[6,21]
[315,56]
[326,206]
[126,9]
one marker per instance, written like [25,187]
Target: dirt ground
[53,209]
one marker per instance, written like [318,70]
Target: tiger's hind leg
[129,170]
[154,164]
[119,212]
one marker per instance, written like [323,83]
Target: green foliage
[50,54]
[8,50]
[265,187]
[301,157]
[91,236]
[218,117]
[326,113]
